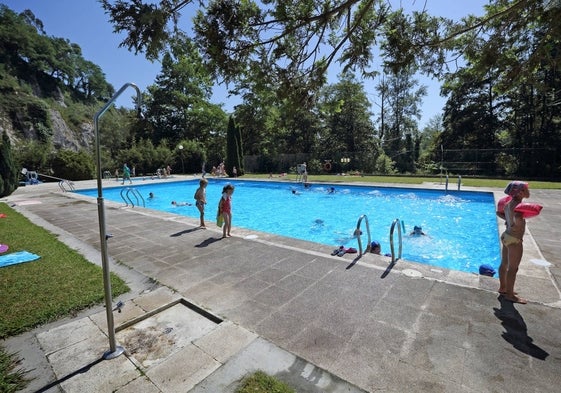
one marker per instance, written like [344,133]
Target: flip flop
[341,252]
[337,250]
[351,250]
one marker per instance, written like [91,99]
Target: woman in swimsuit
[511,239]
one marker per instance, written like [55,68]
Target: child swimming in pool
[511,253]
[417,231]
[200,198]
[174,203]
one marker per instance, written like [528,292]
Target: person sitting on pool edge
[417,231]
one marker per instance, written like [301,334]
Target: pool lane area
[408,328]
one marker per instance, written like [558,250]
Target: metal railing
[358,233]
[63,184]
[400,224]
[459,183]
[126,196]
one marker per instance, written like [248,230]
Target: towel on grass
[3,248]
[17,257]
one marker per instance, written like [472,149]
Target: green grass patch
[12,378]
[259,382]
[452,181]
[60,283]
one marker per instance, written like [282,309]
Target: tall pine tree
[234,151]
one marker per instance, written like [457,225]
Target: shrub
[8,168]
[71,165]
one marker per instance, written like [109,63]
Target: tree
[259,119]
[401,113]
[25,47]
[291,39]
[177,104]
[504,96]
[8,168]
[234,150]
[348,131]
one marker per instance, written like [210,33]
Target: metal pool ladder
[66,183]
[400,224]
[358,232]
[125,195]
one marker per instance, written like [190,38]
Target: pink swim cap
[514,187]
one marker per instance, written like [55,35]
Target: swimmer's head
[173,202]
[417,229]
[375,247]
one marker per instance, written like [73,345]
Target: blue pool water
[461,226]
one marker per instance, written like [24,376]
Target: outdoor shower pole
[114,350]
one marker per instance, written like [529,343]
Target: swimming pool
[461,226]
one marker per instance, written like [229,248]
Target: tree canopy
[29,52]
[302,38]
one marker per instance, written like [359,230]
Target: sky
[84,22]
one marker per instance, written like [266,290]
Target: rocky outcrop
[62,136]
[65,138]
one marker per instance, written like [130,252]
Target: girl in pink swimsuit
[225,208]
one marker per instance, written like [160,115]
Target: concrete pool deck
[324,323]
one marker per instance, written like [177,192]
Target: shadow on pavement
[82,370]
[208,242]
[516,331]
[177,234]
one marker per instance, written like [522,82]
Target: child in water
[174,203]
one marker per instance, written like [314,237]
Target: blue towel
[17,257]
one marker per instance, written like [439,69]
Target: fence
[527,162]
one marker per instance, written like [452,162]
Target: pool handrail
[358,234]
[63,183]
[399,234]
[126,198]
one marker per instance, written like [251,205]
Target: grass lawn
[60,283]
[452,181]
[259,382]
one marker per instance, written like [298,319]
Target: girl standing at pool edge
[200,198]
[512,249]
[225,208]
